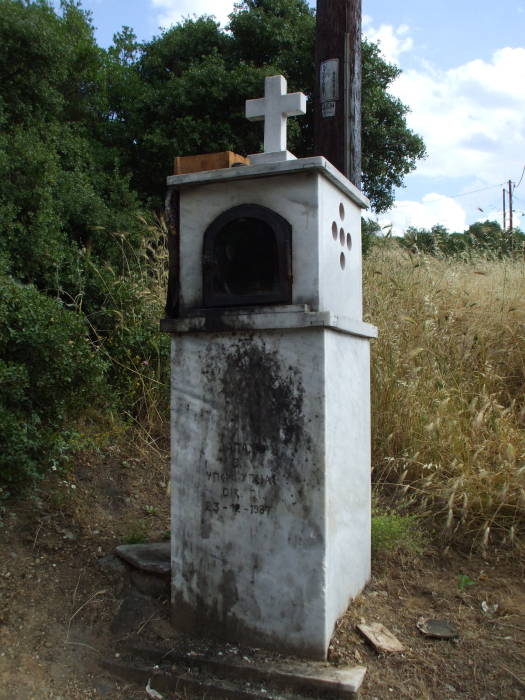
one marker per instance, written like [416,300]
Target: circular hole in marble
[334,231]
[342,211]
[342,261]
[342,236]
[349,241]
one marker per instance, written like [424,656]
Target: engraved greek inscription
[236,476]
[258,509]
[230,493]
[263,479]
[211,507]
[214,508]
[235,491]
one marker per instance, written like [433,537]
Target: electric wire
[456,196]
[521,178]
[519,200]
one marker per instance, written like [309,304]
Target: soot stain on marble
[261,423]
[263,408]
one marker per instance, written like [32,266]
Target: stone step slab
[315,679]
[153,558]
[172,684]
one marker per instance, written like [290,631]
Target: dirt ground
[56,603]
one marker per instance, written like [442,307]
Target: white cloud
[173,11]
[470,117]
[393,40]
[432,209]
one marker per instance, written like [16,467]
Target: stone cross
[275,108]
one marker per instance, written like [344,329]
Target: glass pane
[246,257]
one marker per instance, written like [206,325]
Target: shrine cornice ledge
[286,318]
[314,164]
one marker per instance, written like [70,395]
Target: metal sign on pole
[338,85]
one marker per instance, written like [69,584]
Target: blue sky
[463,77]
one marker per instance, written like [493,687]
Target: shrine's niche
[247,258]
[270,421]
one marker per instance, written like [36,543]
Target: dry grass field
[448,378]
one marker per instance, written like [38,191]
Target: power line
[462,194]
[519,210]
[480,189]
[521,178]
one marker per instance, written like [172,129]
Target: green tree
[196,78]
[188,99]
[48,374]
[72,290]
[60,167]
[486,238]
[370,231]
[423,240]
[489,236]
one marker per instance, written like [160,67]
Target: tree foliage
[195,79]
[48,374]
[486,238]
[63,183]
[71,292]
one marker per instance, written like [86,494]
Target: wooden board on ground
[380,637]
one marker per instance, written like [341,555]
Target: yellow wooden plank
[207,161]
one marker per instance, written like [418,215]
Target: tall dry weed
[125,327]
[448,390]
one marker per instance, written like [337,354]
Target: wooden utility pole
[510,206]
[504,211]
[337,92]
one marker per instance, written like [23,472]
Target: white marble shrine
[270,397]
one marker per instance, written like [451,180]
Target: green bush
[486,239]
[49,372]
[370,230]
[393,532]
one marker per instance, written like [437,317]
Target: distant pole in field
[510,206]
[337,92]
[504,211]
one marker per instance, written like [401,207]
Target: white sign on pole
[328,109]
[330,80]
